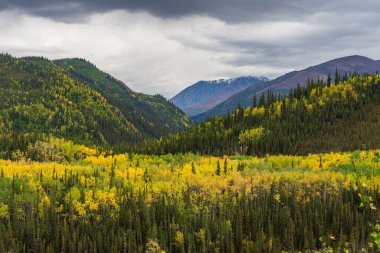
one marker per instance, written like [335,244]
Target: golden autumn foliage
[173,173]
[99,188]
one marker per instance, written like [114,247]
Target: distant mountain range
[282,84]
[73,99]
[204,95]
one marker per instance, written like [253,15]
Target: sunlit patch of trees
[190,203]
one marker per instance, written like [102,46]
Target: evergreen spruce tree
[329,79]
[254,102]
[337,77]
[218,169]
[193,170]
[225,166]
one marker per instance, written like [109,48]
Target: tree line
[321,117]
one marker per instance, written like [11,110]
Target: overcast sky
[163,46]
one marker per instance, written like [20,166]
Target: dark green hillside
[153,116]
[321,117]
[39,98]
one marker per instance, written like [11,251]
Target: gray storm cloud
[163,46]
[226,10]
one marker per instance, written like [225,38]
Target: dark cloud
[226,10]
[255,37]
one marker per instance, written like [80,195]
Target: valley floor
[190,203]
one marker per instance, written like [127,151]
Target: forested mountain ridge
[343,66]
[320,117]
[204,95]
[39,98]
[153,116]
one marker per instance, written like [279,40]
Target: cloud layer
[164,46]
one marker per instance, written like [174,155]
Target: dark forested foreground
[188,203]
[321,117]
